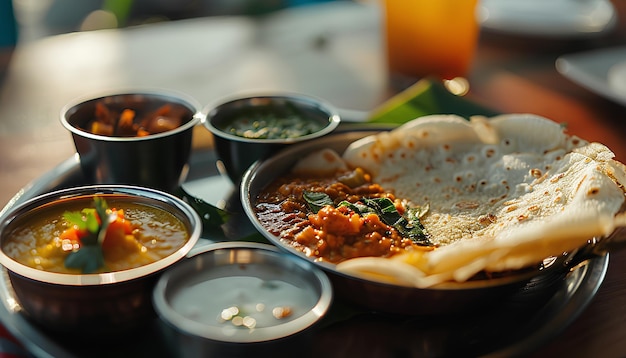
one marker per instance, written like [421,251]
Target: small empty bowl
[240,298]
[249,128]
[136,138]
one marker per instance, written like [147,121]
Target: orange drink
[430,37]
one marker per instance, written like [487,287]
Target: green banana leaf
[425,97]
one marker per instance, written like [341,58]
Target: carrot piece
[164,110]
[126,122]
[117,231]
[119,241]
[101,128]
[70,234]
[126,118]
[142,132]
[103,114]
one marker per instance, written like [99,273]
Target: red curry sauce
[333,234]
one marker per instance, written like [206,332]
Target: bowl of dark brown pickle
[139,137]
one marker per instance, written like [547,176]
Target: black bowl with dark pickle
[139,137]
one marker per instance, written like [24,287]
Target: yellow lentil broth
[33,240]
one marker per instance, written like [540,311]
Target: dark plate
[516,325]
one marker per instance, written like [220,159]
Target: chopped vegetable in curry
[341,217]
[129,122]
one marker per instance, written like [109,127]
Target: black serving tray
[516,325]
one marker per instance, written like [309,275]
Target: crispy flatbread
[504,193]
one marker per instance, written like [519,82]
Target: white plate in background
[602,71]
[548,18]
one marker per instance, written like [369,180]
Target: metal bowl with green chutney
[250,128]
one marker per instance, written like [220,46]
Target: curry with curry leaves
[340,217]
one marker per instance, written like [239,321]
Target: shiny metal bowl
[237,153]
[90,305]
[158,160]
[445,298]
[214,336]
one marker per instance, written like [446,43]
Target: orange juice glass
[430,37]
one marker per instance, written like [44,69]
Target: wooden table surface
[330,51]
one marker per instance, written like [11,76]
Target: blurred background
[40,18]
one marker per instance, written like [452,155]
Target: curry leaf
[317,200]
[408,225]
[75,218]
[88,258]
[85,219]
[212,216]
[412,228]
[357,207]
[91,220]
[385,209]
